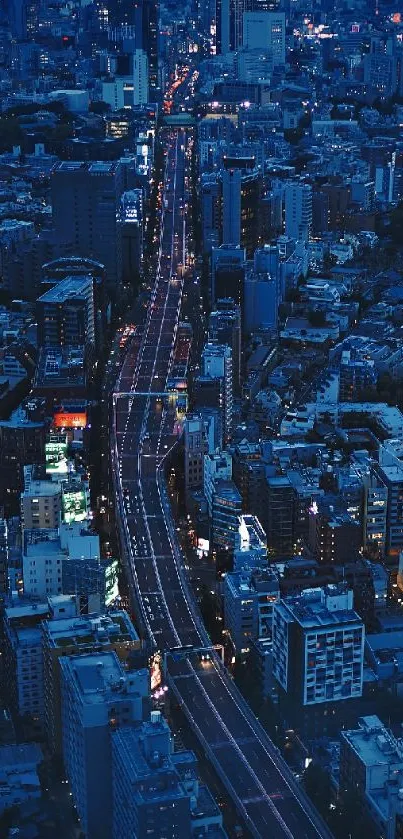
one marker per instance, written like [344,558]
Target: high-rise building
[66,314]
[85,208]
[241,191]
[227,273]
[75,266]
[260,302]
[146,21]
[216,363]
[217,467]
[249,596]
[195,449]
[279,514]
[298,210]
[334,533]
[23,660]
[224,327]
[140,77]
[41,502]
[318,646]
[76,635]
[265,30]
[226,509]
[97,697]
[132,234]
[211,203]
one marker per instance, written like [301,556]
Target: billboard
[56,458]
[111,582]
[74,505]
[70,420]
[155,671]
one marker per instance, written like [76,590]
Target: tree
[316,317]
[317,785]
[100,108]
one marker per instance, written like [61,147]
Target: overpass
[255,775]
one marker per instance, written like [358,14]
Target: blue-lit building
[97,696]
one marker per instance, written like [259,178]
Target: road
[144,432]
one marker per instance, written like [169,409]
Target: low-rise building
[371,766]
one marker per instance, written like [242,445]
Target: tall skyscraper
[216,363]
[85,207]
[146,21]
[240,208]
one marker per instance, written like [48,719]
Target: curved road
[255,775]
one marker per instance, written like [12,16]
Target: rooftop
[374,744]
[115,626]
[68,289]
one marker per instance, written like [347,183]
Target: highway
[144,431]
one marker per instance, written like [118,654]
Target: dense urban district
[201,419]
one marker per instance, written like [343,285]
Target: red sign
[62,420]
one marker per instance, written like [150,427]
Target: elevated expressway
[262,788]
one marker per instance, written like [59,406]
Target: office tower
[211,203]
[249,596]
[229,25]
[17,16]
[240,209]
[224,327]
[250,476]
[278,518]
[265,30]
[131,209]
[208,395]
[97,697]
[85,208]
[22,441]
[75,266]
[140,77]
[76,635]
[226,509]
[156,791]
[298,210]
[146,22]
[217,467]
[195,449]
[266,260]
[381,73]
[23,663]
[318,646]
[260,302]
[66,315]
[41,502]
[227,273]
[216,364]
[334,534]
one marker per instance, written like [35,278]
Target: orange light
[68,420]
